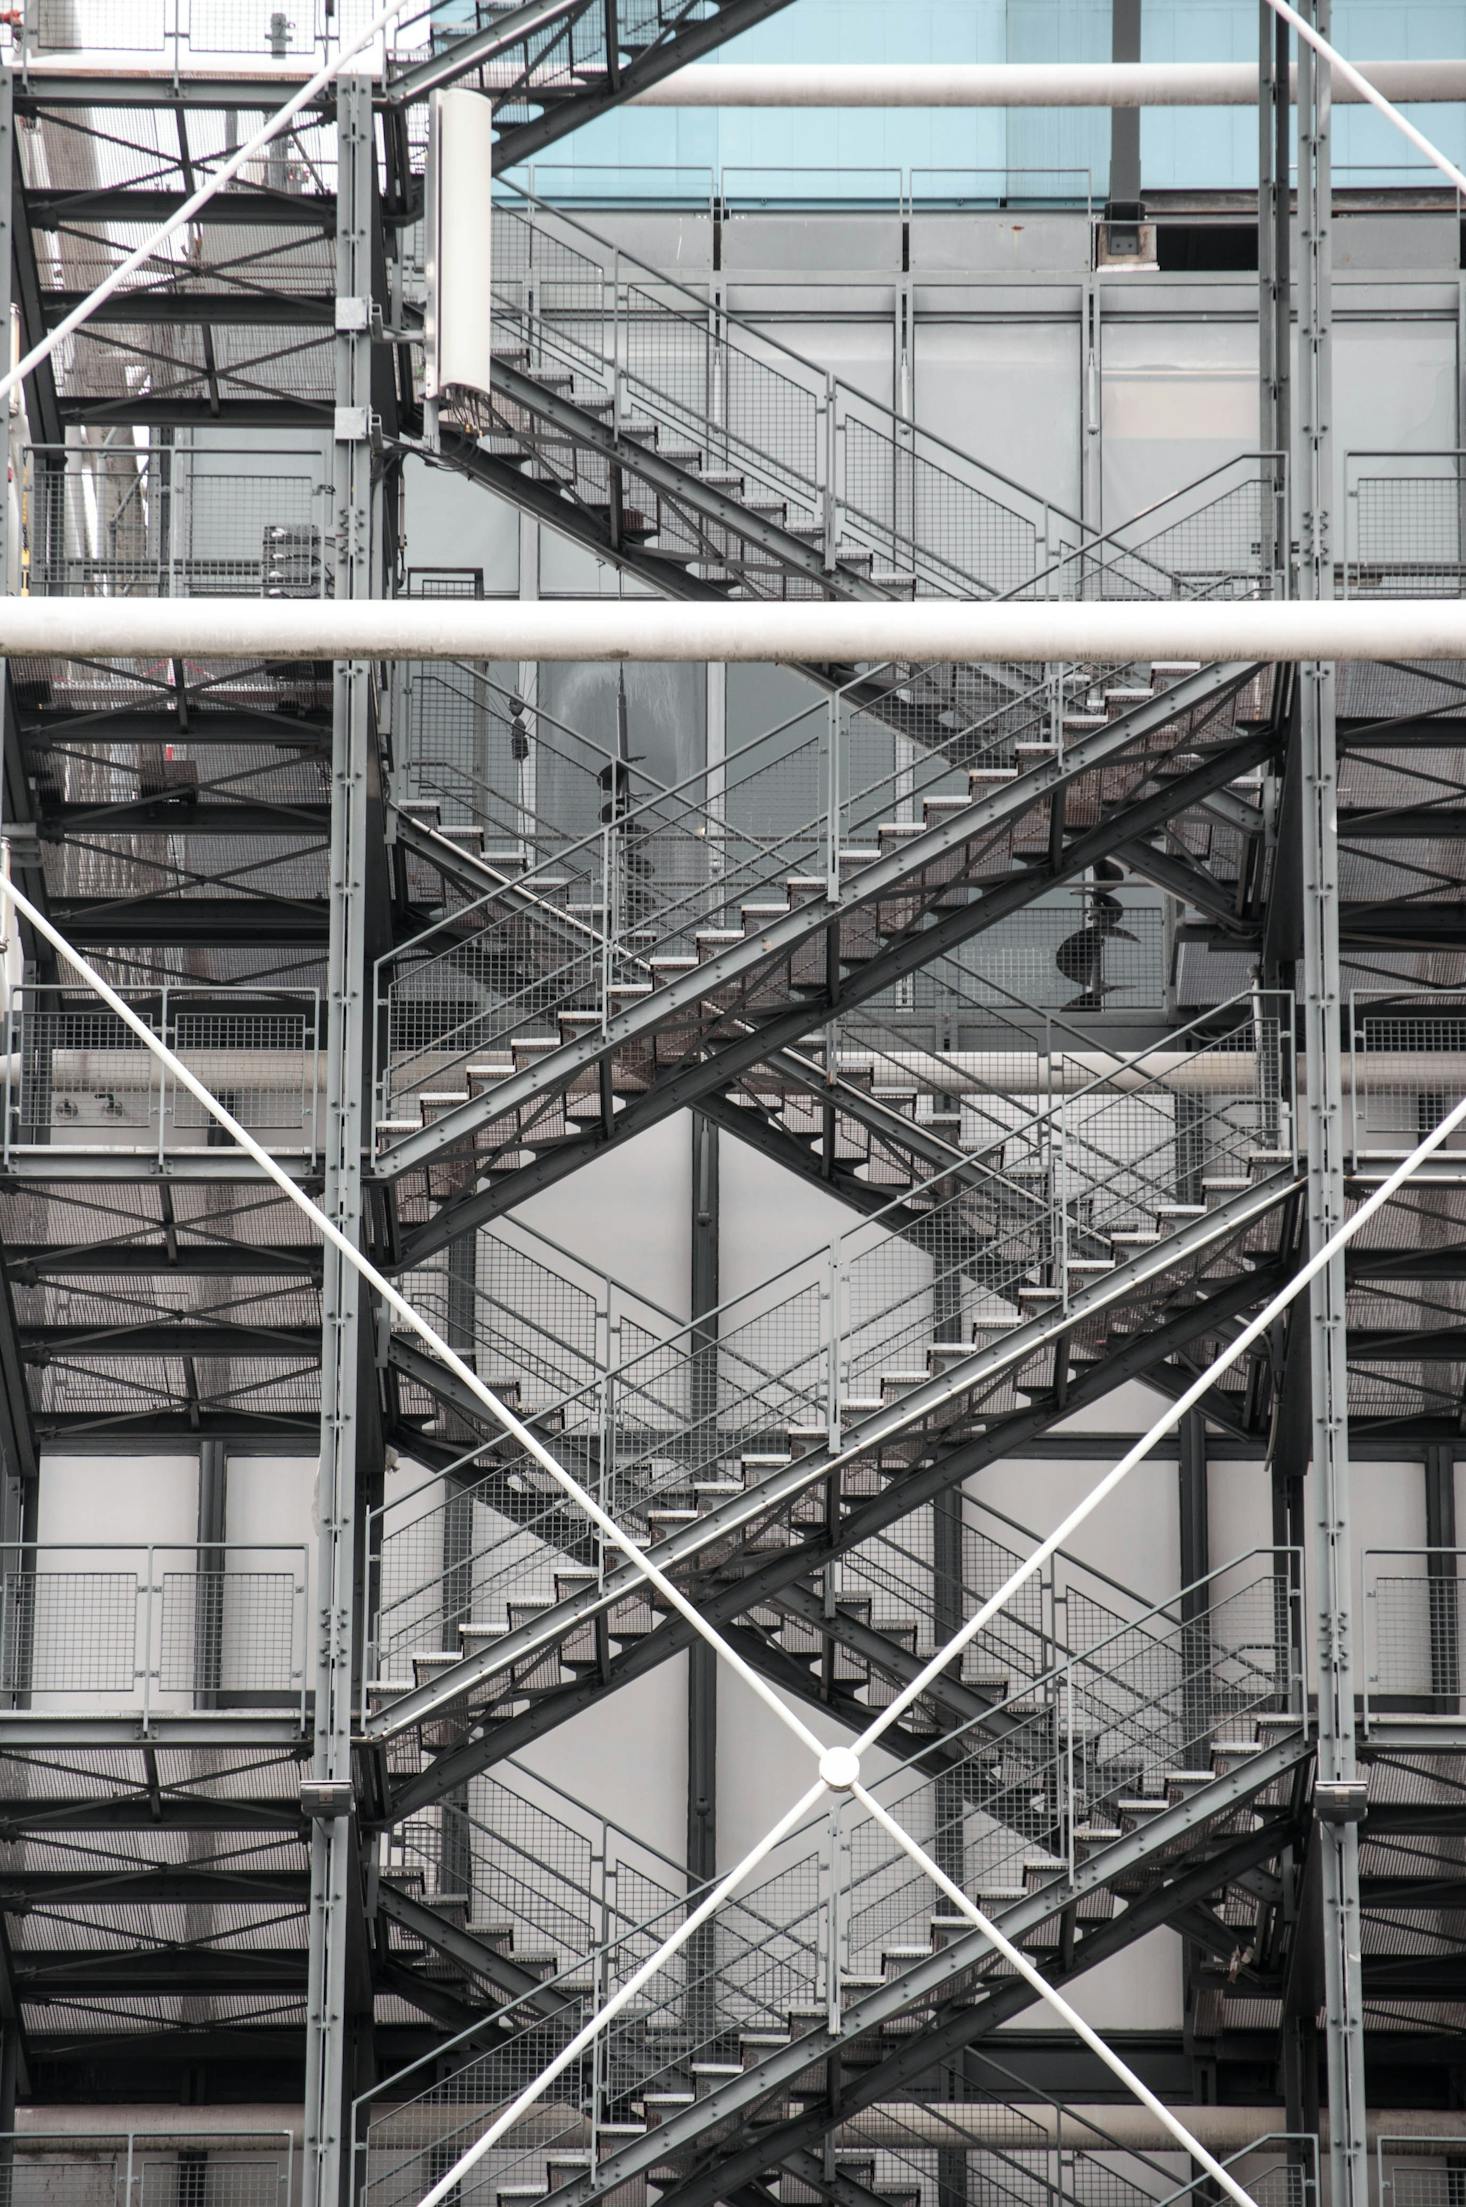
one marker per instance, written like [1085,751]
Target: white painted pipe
[817,630]
[998,84]
[1019,84]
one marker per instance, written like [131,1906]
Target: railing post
[832,1294]
[150,1567]
[163,1091]
[1371,1638]
[830,440]
[832,800]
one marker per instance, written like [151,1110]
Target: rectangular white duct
[460,177]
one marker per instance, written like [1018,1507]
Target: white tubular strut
[500,1412]
[224,174]
[1170,1417]
[1345,74]
[1046,1992]
[589,2032]
[1019,84]
[850,634]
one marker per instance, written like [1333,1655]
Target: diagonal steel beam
[784,934]
[781,1487]
[947,1469]
[717,1067]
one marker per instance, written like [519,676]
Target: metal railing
[77,1078]
[1150,1714]
[1405,524]
[163,521]
[1406,1066]
[1419,2171]
[147,2168]
[165,1627]
[801,813]
[1106,1164]
[553,1889]
[859,480]
[1414,1644]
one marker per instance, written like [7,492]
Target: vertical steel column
[1336,1786]
[208,1601]
[702,1663]
[702,1672]
[335,1885]
[1124,192]
[1274,286]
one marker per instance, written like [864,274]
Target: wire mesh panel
[160,522]
[146,2169]
[259,1056]
[1407,529]
[233,1631]
[1407,1066]
[69,1631]
[77,1076]
[208,2176]
[101,26]
[1415,1621]
[1420,2172]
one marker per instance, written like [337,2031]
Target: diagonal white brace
[1170,1417]
[1367,91]
[216,179]
[1054,1999]
[502,1415]
[584,2037]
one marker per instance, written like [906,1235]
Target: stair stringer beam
[785,935]
[689,1083]
[966,2025]
[720,1604]
[740,2095]
[725,1519]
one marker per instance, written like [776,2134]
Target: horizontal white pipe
[819,630]
[901,2124]
[1019,84]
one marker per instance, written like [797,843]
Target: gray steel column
[335,1884]
[702,1664]
[1274,287]
[1336,1784]
[1124,191]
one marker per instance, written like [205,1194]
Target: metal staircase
[686,939]
[1143,1758]
[935,1316]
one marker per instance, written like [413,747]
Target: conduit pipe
[820,631]
[1020,84]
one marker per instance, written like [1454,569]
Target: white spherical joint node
[840,1768]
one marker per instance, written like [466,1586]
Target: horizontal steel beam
[188,813]
[260,209]
[28,1262]
[103,923]
[241,309]
[163,1337]
[200,726]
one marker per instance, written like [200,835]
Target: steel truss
[308,842]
